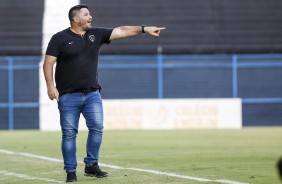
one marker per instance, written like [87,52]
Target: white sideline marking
[110,166]
[118,167]
[7,152]
[39,157]
[229,182]
[169,174]
[26,177]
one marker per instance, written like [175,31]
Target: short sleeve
[53,48]
[105,34]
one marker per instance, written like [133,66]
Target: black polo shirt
[77,58]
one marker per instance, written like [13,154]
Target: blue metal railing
[11,67]
[160,73]
[234,76]
[227,61]
[232,64]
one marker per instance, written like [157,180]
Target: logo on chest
[92,38]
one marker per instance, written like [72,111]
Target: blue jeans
[71,105]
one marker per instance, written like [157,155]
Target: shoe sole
[71,181]
[93,175]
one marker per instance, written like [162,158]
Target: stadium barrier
[173,113]
[14,105]
[161,114]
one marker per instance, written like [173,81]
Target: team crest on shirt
[92,38]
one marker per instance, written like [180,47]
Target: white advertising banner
[173,113]
[160,114]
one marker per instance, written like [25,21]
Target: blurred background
[210,49]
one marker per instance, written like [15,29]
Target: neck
[77,31]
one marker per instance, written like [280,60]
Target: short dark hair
[73,11]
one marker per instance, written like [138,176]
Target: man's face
[84,19]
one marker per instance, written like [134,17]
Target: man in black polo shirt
[77,90]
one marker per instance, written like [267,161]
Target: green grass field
[247,156]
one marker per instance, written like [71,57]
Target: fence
[172,68]
[8,67]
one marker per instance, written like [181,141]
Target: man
[77,90]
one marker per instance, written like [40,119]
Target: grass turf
[248,155]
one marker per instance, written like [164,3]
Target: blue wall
[19,92]
[254,78]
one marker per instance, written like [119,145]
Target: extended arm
[127,31]
[48,73]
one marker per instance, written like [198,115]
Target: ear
[76,19]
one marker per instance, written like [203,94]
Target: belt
[82,90]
